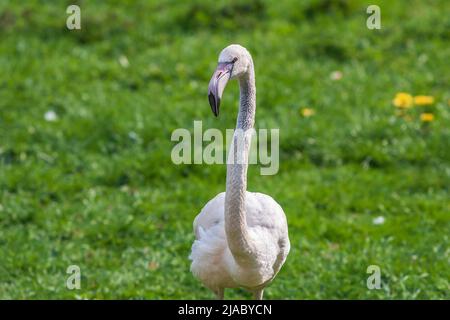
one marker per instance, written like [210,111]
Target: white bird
[241,237]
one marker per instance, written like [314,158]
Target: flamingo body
[212,262]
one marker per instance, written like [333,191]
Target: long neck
[235,221]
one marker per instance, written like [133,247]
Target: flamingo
[241,237]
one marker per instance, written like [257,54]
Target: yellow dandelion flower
[307,112]
[423,100]
[403,100]
[427,117]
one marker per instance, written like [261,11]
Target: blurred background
[86,118]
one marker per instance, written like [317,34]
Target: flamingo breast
[213,263]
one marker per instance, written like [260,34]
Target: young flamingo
[241,237]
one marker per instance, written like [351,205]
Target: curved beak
[217,84]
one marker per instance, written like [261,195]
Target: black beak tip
[214,104]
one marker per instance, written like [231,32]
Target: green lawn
[96,188]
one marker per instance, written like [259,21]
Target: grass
[97,188]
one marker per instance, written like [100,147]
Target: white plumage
[241,237]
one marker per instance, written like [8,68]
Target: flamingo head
[234,62]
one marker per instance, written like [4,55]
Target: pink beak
[217,84]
